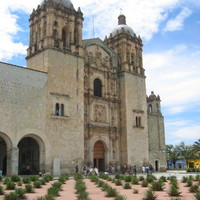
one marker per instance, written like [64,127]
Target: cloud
[177,23]
[176,76]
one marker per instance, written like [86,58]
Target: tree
[186,152]
[172,154]
[196,147]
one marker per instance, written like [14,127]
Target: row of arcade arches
[30,151]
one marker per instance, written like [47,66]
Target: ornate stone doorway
[99,156]
[3,156]
[29,159]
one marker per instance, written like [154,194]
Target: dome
[122,26]
[66,3]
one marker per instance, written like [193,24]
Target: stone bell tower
[134,127]
[57,25]
[56,48]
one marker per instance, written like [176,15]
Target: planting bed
[95,192]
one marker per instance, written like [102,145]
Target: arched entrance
[99,156]
[3,156]
[156,165]
[29,159]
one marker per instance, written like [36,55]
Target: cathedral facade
[78,101]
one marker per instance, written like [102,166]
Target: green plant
[120,197]
[42,181]
[109,178]
[15,178]
[134,180]
[29,188]
[34,178]
[197,196]
[105,186]
[127,178]
[184,179]
[26,180]
[150,195]
[49,197]
[1,190]
[6,180]
[20,192]
[80,186]
[194,188]
[57,184]
[163,179]
[189,183]
[135,191]
[100,183]
[127,186]
[141,178]
[117,176]
[10,185]
[53,191]
[144,183]
[37,184]
[20,183]
[111,192]
[118,182]
[173,191]
[83,195]
[11,196]
[150,178]
[157,186]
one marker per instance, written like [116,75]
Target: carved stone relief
[100,113]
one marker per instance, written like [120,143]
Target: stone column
[12,161]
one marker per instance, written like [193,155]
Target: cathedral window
[57,108]
[150,108]
[138,121]
[62,111]
[97,88]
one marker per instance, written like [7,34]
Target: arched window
[97,88]
[57,109]
[138,121]
[150,108]
[62,113]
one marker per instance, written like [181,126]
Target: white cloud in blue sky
[170,31]
[177,23]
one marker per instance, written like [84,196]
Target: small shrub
[141,178]
[83,195]
[53,191]
[127,186]
[111,192]
[118,182]
[11,196]
[163,179]
[197,196]
[184,179]
[57,184]
[134,180]
[29,188]
[26,180]
[189,183]
[37,184]
[42,181]
[78,177]
[127,178]
[150,195]
[117,176]
[194,188]
[20,183]
[109,178]
[15,178]
[120,197]
[100,183]
[105,186]
[10,185]
[157,186]
[135,191]
[1,190]
[144,183]
[1,178]
[173,191]
[49,197]
[150,178]
[34,178]
[6,180]
[20,192]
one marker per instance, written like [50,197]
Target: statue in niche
[100,113]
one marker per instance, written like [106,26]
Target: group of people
[148,169]
[91,169]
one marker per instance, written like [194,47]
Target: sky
[170,30]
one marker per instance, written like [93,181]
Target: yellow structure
[194,164]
